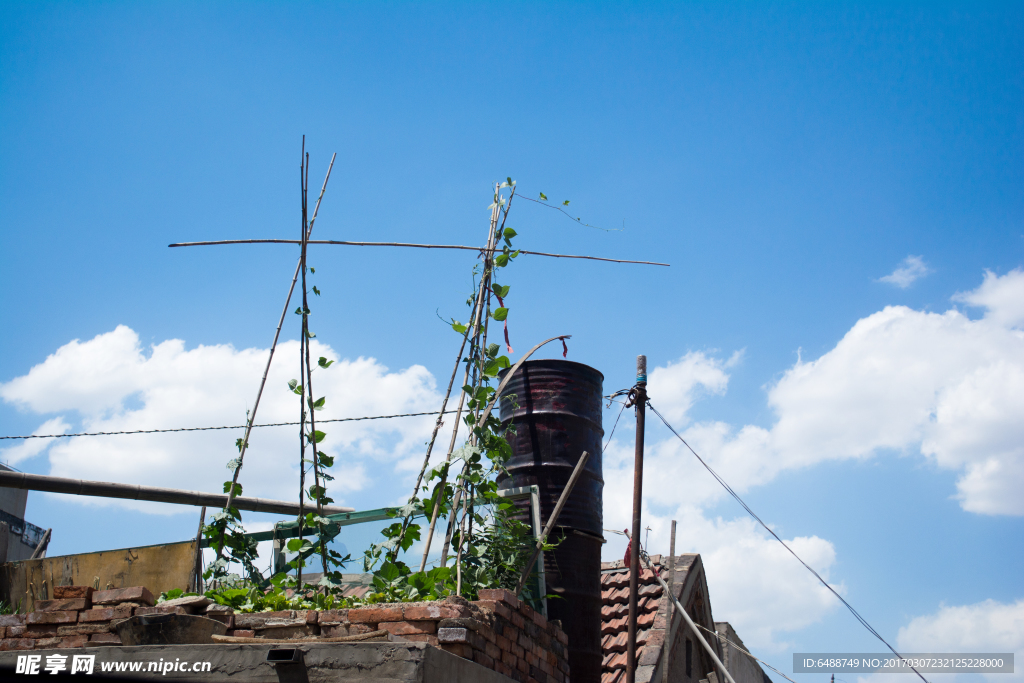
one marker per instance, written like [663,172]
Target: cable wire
[206,429]
[746,507]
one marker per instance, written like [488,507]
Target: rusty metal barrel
[556,415]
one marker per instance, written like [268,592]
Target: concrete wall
[741,666]
[352,662]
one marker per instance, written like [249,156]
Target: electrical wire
[205,429]
[721,637]
[746,507]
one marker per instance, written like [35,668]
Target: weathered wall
[499,632]
[159,567]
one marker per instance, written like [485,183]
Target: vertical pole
[640,402]
[542,584]
[670,621]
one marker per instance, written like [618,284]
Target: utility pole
[638,398]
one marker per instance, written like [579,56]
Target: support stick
[552,520]
[693,627]
[273,346]
[640,401]
[671,605]
[197,568]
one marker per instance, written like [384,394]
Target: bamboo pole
[408,244]
[103,489]
[552,520]
[273,346]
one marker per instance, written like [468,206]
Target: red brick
[522,666]
[116,596]
[422,611]
[358,629]
[375,615]
[508,658]
[161,609]
[17,644]
[333,616]
[543,665]
[483,659]
[83,629]
[518,650]
[401,628]
[60,592]
[421,638]
[12,619]
[242,633]
[47,643]
[517,620]
[336,631]
[73,641]
[105,638]
[539,619]
[311,616]
[503,644]
[532,659]
[52,618]
[458,649]
[41,631]
[98,614]
[16,631]
[61,605]
[502,668]
[492,651]
[499,595]
[498,608]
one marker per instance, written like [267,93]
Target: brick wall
[498,631]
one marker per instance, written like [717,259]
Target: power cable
[205,429]
[746,507]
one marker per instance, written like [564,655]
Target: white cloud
[911,269]
[30,448]
[115,385]
[984,627]
[1000,296]
[681,383]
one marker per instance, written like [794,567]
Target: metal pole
[542,584]
[104,489]
[667,648]
[640,402]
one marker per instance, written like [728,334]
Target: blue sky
[784,158]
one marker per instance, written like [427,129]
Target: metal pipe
[640,401]
[104,489]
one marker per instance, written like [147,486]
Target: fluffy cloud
[984,627]
[941,385]
[114,384]
[30,448]
[911,269]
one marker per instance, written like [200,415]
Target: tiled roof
[651,610]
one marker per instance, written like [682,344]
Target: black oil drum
[556,415]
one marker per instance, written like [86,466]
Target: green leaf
[500,314]
[501,260]
[509,180]
[320,402]
[238,488]
[312,270]
[459,327]
[295,544]
[509,233]
[492,350]
[500,290]
[514,254]
[325,460]
[565,203]
[317,436]
[233,463]
[324,363]
[310,335]
[543,196]
[491,368]
[292,384]
[503,361]
[316,291]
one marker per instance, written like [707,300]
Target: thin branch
[408,244]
